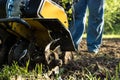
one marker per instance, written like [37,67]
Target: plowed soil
[106,61]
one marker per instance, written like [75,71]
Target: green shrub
[112,17]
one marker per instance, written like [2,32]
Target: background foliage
[111,15]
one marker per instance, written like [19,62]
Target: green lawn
[106,36]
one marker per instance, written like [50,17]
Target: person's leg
[77,25]
[9,7]
[13,8]
[95,25]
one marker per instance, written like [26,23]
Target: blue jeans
[13,8]
[95,23]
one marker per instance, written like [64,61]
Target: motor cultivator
[38,32]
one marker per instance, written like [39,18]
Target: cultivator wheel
[6,41]
[23,51]
[37,55]
[19,53]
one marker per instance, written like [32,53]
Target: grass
[106,36]
[15,72]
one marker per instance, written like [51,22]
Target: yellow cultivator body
[36,37]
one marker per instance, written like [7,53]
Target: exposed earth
[107,60]
[104,64]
